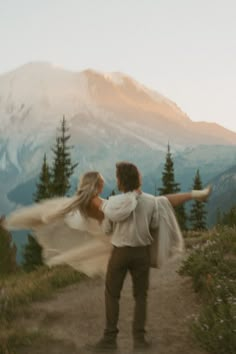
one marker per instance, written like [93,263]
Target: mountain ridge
[111,117]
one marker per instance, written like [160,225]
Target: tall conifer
[198,213]
[43,187]
[168,176]
[32,255]
[62,168]
[170,186]
[32,251]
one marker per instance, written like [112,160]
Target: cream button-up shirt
[135,228]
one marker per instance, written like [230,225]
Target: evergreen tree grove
[62,168]
[170,186]
[52,182]
[229,218]
[198,213]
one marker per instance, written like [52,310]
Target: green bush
[7,254]
[212,266]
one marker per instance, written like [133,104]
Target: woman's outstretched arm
[180,198]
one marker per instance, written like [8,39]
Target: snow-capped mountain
[111,117]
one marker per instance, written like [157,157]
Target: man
[131,238]
[131,241]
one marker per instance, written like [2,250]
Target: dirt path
[75,316]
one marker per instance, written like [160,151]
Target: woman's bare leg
[180,198]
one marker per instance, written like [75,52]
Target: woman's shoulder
[94,210]
[97,202]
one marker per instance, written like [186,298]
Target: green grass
[212,266]
[24,288]
[20,290]
[12,339]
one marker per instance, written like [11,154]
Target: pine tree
[181,216]
[62,168]
[170,186]
[229,218]
[168,176]
[32,255]
[7,253]
[43,187]
[198,213]
[32,251]
[55,183]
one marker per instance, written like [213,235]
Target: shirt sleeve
[155,217]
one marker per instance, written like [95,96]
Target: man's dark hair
[128,176]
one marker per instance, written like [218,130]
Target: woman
[71,230]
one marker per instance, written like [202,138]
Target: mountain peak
[40,92]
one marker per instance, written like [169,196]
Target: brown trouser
[136,260]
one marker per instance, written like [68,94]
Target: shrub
[7,253]
[212,266]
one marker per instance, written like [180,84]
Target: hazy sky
[184,49]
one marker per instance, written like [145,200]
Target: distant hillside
[223,194]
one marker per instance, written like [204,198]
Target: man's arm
[107,226]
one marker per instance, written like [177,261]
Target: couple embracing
[129,232]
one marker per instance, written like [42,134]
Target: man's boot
[141,343]
[105,344]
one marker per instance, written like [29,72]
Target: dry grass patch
[18,291]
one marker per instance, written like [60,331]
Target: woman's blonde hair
[88,188]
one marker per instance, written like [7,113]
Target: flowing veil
[81,242]
[71,240]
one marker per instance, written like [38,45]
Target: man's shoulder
[146,203]
[147,196]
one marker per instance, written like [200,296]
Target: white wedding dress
[81,242]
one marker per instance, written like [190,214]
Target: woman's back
[94,210]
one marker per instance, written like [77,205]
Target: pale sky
[184,49]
